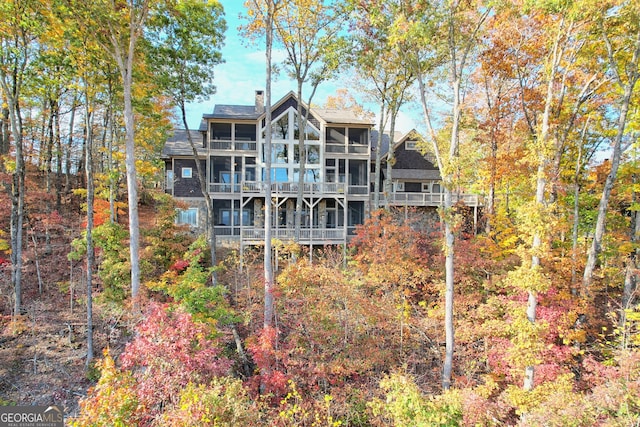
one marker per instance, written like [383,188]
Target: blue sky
[244,72]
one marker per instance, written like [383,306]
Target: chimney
[259,101]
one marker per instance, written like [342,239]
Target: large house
[338,176]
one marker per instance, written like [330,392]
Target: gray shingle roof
[339,116]
[417,174]
[178,144]
[238,112]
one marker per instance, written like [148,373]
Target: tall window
[357,172]
[280,128]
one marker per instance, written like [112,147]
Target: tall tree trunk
[576,216]
[132,187]
[302,154]
[11,83]
[378,164]
[303,120]
[59,154]
[5,132]
[89,229]
[50,137]
[628,89]
[269,299]
[17,199]
[124,55]
[69,145]
[388,183]
[449,237]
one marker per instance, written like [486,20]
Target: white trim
[411,145]
[187,173]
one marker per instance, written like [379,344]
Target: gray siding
[186,187]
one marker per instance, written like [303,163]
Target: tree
[618,27]
[381,60]
[344,100]
[118,26]
[21,23]
[185,39]
[262,14]
[457,26]
[309,31]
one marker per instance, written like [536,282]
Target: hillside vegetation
[359,341]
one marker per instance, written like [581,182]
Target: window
[280,128]
[245,132]
[358,172]
[398,186]
[310,175]
[187,173]
[230,218]
[219,164]
[357,136]
[313,154]
[169,181]
[310,133]
[426,187]
[279,153]
[411,145]
[187,216]
[250,169]
[221,131]
[335,135]
[277,175]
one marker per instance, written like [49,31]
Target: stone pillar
[291,209]
[322,214]
[258,213]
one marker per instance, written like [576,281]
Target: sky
[243,72]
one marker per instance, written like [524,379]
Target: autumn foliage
[358,338]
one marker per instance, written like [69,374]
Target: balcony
[255,235]
[282,188]
[426,199]
[233,145]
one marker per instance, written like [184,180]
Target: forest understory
[355,345]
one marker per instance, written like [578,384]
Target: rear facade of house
[338,173]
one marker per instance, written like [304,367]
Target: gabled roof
[178,144]
[249,112]
[238,112]
[416,174]
[420,167]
